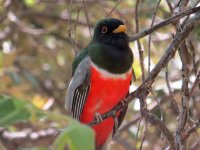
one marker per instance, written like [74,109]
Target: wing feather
[78,89]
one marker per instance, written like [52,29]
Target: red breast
[106,91]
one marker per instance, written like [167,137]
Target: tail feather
[106,145]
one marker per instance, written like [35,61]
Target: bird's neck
[112,59]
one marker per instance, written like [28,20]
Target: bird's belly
[106,91]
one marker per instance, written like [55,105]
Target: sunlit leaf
[137,69]
[39,101]
[30,2]
[61,60]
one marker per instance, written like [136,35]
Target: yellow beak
[120,29]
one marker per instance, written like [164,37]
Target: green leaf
[77,137]
[13,110]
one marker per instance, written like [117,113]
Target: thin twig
[77,17]
[168,21]
[137,133]
[170,6]
[69,29]
[189,15]
[195,145]
[193,55]
[26,29]
[159,106]
[172,99]
[138,41]
[149,42]
[87,18]
[143,136]
[197,80]
[117,4]
[191,130]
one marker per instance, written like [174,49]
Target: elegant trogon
[101,76]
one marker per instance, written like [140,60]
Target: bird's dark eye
[104,29]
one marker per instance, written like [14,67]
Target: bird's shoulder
[84,53]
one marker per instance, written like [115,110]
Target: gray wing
[78,89]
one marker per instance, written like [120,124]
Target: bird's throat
[105,74]
[112,59]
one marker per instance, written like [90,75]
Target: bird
[101,76]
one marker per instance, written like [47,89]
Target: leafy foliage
[77,136]
[13,111]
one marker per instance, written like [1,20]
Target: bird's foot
[116,122]
[98,117]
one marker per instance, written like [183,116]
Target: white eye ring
[104,29]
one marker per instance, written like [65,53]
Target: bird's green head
[110,31]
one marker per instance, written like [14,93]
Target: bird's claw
[124,102]
[98,117]
[116,122]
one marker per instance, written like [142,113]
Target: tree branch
[168,21]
